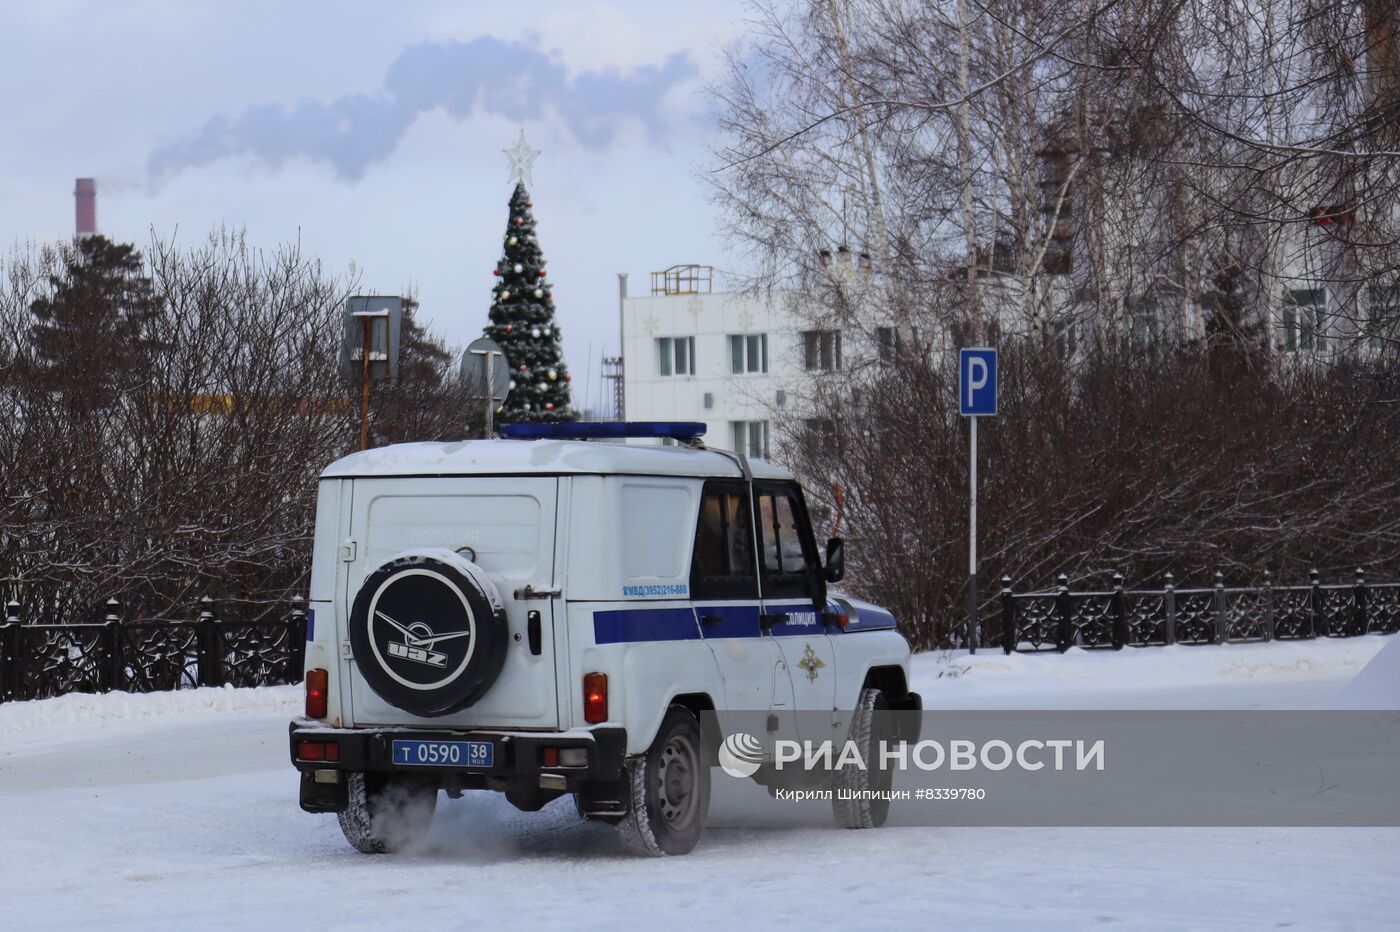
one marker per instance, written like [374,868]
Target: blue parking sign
[977,381]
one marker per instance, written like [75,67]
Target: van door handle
[530,592]
[709,620]
[533,632]
[766,621]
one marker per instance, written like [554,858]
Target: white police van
[546,614]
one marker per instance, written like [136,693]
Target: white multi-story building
[736,362]
[743,364]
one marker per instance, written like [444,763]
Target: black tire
[868,727]
[384,813]
[670,790]
[428,635]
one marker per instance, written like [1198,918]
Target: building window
[890,345]
[1066,338]
[675,355]
[821,350]
[1304,320]
[1143,323]
[818,433]
[748,353]
[750,437]
[887,344]
[1383,315]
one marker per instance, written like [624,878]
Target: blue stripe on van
[802,621]
[735,621]
[632,625]
[644,624]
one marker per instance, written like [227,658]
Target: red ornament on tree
[496,272]
[509,328]
[524,369]
[541,273]
[549,406]
[519,222]
[568,378]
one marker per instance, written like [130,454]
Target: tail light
[316,686]
[595,698]
[318,750]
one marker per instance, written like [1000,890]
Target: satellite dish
[485,364]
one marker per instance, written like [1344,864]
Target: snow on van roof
[546,457]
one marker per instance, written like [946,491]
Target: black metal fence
[148,655]
[1119,617]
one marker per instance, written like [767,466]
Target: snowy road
[156,812]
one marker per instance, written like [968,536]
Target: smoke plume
[484,76]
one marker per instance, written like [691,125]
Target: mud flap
[322,797]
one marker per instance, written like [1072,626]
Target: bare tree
[1149,205]
[188,467]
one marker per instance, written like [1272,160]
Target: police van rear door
[505,525]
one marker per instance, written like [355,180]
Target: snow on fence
[1119,617]
[147,655]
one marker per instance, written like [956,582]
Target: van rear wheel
[670,790]
[386,813]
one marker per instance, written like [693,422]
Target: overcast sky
[373,132]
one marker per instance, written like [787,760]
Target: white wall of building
[710,390]
[707,390]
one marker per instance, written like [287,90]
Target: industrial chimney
[85,206]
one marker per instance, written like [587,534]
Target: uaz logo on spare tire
[428,633]
[418,642]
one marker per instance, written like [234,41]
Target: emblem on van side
[418,642]
[811,663]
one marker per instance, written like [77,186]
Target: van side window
[723,566]
[788,554]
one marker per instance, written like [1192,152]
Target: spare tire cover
[429,633]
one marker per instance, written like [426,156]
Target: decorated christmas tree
[522,315]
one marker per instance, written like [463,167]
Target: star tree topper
[522,159]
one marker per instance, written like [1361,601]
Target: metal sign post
[494,379]
[486,360]
[977,397]
[364,382]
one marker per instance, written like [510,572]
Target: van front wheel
[669,790]
[861,794]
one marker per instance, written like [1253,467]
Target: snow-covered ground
[179,811]
[1279,675]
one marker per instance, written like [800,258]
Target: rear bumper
[518,759]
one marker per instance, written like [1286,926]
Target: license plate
[445,753]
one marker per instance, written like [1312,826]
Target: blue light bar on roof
[681,431]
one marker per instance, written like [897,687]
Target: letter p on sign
[977,382]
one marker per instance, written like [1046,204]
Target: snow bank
[1377,686]
[80,710]
[1276,675]
[1295,674]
